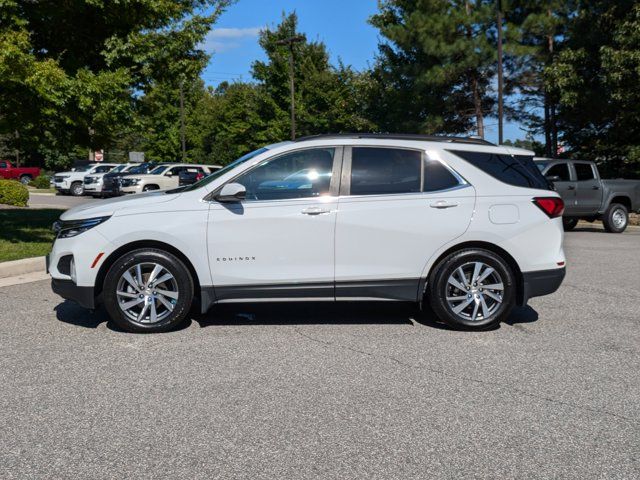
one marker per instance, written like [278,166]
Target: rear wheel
[77,189]
[148,290]
[25,179]
[569,223]
[616,218]
[472,289]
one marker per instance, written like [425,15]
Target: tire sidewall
[25,179]
[439,280]
[174,265]
[609,225]
[74,192]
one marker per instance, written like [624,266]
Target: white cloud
[234,32]
[225,39]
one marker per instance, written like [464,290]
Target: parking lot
[344,391]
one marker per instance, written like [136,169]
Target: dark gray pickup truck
[588,197]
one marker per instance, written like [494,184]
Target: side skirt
[400,290]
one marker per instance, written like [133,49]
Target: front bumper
[131,189]
[92,187]
[541,282]
[83,296]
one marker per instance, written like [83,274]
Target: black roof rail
[400,136]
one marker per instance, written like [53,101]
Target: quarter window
[517,170]
[299,174]
[438,177]
[561,170]
[584,172]
[383,171]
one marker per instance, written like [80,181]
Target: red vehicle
[22,174]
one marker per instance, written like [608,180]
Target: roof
[400,136]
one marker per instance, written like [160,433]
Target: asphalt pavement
[332,391]
[51,200]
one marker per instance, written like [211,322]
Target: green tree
[435,65]
[326,97]
[536,32]
[73,71]
[596,79]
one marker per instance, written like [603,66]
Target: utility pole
[182,139]
[500,79]
[290,42]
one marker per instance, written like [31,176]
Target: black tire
[439,289]
[25,179]
[174,266]
[616,218]
[569,224]
[148,188]
[77,189]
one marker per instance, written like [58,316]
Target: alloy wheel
[147,292]
[474,291]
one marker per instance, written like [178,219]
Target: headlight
[71,228]
[134,181]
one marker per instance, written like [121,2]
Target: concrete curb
[20,267]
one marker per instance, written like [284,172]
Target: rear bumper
[542,282]
[68,290]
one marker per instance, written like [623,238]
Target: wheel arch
[129,247]
[485,246]
[622,200]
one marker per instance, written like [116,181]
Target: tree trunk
[477,105]
[552,124]
[547,127]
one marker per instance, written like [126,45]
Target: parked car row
[111,179]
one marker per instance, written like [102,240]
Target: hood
[64,173]
[105,208]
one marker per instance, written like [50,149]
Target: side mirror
[169,174]
[232,192]
[553,178]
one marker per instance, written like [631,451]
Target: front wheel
[148,290]
[616,218]
[569,223]
[77,189]
[472,289]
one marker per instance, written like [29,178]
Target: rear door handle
[315,211]
[443,204]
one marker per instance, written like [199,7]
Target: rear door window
[384,171]
[584,172]
[516,170]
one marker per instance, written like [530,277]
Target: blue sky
[341,24]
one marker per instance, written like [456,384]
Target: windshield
[84,168]
[119,168]
[158,170]
[222,171]
[142,168]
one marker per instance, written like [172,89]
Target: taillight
[552,206]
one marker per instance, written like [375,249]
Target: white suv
[163,177]
[469,228]
[73,181]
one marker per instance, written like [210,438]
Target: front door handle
[595,187]
[443,204]
[571,187]
[315,211]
